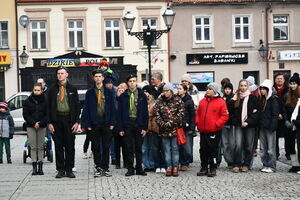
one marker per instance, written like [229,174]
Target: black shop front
[80,65]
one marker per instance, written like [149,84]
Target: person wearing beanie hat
[192,89]
[133,124]
[7,127]
[104,66]
[290,102]
[186,77]
[211,116]
[100,119]
[169,112]
[252,86]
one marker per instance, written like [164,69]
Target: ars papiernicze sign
[216,58]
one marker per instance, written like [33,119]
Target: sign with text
[90,62]
[216,58]
[289,55]
[61,62]
[5,59]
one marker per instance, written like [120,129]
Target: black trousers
[86,143]
[280,132]
[290,142]
[119,144]
[133,142]
[209,148]
[101,133]
[64,141]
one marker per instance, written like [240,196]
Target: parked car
[15,104]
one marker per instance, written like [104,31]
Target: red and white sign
[90,62]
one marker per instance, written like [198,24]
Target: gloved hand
[288,124]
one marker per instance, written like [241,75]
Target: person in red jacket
[212,114]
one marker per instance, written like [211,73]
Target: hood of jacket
[268,84]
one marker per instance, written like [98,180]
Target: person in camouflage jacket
[169,112]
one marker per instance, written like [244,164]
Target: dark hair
[60,68]
[263,99]
[225,81]
[185,88]
[38,85]
[292,97]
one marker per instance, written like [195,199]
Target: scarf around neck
[245,96]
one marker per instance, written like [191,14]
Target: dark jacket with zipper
[230,107]
[252,109]
[73,101]
[35,110]
[90,109]
[142,111]
[268,118]
[188,122]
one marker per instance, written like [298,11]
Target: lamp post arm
[142,35]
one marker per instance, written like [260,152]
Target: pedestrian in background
[212,114]
[245,118]
[7,128]
[35,116]
[169,112]
[63,118]
[268,120]
[188,125]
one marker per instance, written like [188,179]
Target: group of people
[146,120]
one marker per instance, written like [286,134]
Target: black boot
[34,168]
[40,171]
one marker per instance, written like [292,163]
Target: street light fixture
[24,56]
[262,50]
[148,35]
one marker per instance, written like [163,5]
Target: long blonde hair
[238,98]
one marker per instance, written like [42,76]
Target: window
[75,33]
[202,29]
[280,27]
[3,34]
[112,33]
[241,29]
[153,26]
[38,35]
[17,102]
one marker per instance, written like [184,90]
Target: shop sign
[289,55]
[216,58]
[5,59]
[68,62]
[90,62]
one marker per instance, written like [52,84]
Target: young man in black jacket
[100,120]
[133,123]
[63,119]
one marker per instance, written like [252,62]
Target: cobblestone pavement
[17,182]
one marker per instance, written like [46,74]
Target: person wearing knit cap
[192,89]
[290,102]
[104,66]
[252,86]
[7,131]
[100,120]
[211,116]
[169,112]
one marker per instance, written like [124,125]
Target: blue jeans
[185,151]
[228,143]
[148,151]
[171,151]
[158,151]
[268,147]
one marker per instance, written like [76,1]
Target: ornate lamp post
[148,35]
[24,56]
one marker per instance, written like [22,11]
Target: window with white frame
[112,33]
[3,34]
[152,22]
[75,33]
[281,27]
[202,29]
[242,28]
[38,35]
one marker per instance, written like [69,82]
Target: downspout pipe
[17,46]
[267,9]
[169,48]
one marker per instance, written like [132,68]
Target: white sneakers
[160,170]
[267,170]
[85,156]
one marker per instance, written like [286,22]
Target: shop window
[3,34]
[281,27]
[112,33]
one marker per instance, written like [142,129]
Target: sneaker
[9,161]
[1,161]
[169,171]
[107,173]
[203,171]
[74,169]
[269,170]
[85,156]
[245,169]
[158,170]
[98,172]
[60,174]
[184,168]
[264,169]
[70,174]
[298,172]
[235,170]
[162,170]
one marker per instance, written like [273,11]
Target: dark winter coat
[211,114]
[169,115]
[253,116]
[73,101]
[287,110]
[188,122]
[142,111]
[90,109]
[156,91]
[35,110]
[280,99]
[268,118]
[230,107]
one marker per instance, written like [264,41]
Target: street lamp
[148,35]
[262,50]
[24,56]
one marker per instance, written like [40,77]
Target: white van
[15,104]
